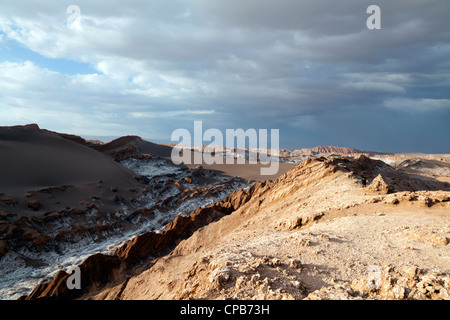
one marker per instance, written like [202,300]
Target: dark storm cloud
[294,65]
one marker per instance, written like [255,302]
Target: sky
[310,68]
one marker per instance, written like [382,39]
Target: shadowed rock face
[383,178]
[51,185]
[99,269]
[67,229]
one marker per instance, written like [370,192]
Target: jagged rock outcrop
[140,249]
[379,186]
[59,230]
[35,205]
[95,271]
[153,244]
[390,283]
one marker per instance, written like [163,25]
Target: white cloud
[24,75]
[374,87]
[169,114]
[31,94]
[159,63]
[377,82]
[90,104]
[417,105]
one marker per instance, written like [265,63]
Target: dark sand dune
[33,159]
[41,171]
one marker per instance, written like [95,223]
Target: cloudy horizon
[311,69]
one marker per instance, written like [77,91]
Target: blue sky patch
[12,51]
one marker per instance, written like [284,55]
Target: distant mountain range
[133,145]
[343,150]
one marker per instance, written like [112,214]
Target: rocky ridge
[147,246]
[36,241]
[267,242]
[337,150]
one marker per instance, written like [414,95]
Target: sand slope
[42,171]
[32,159]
